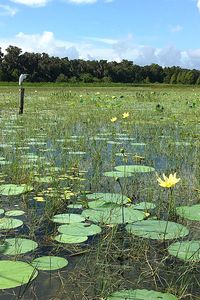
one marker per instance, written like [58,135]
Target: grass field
[95,155]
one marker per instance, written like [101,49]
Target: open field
[94,154]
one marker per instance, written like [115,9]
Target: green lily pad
[14,213]
[49,263]
[158,230]
[9,223]
[14,189]
[101,203]
[138,144]
[134,169]
[114,143]
[145,206]
[140,295]
[108,197]
[1,211]
[107,215]
[16,246]
[70,239]
[77,152]
[187,250]
[68,218]
[15,273]
[79,229]
[189,212]
[118,174]
[45,179]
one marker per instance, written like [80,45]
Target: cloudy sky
[145,31]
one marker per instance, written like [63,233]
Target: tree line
[44,68]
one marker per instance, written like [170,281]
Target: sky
[166,32]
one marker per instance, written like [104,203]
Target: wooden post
[21,99]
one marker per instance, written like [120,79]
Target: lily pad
[101,203]
[140,295]
[189,212]
[145,206]
[45,179]
[1,211]
[14,189]
[68,218]
[138,144]
[14,213]
[15,273]
[116,174]
[134,169]
[110,215]
[158,230]
[79,229]
[9,223]
[187,250]
[49,263]
[16,246]
[70,239]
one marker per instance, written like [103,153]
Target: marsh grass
[71,140]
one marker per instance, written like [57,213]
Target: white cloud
[7,10]
[82,1]
[104,48]
[32,3]
[198,4]
[176,28]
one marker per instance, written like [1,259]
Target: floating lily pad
[158,230]
[140,295]
[182,143]
[108,197]
[114,143]
[138,144]
[15,273]
[1,211]
[113,215]
[9,223]
[116,174]
[14,189]
[145,206]
[134,169]
[45,179]
[68,218]
[101,203]
[49,263]
[189,212]
[70,239]
[77,152]
[187,250]
[79,229]
[16,246]
[14,213]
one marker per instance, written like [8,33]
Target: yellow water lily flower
[125,115]
[168,182]
[114,119]
[39,199]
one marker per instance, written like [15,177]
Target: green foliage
[45,68]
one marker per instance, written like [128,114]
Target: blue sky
[144,31]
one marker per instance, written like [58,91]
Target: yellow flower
[114,119]
[168,182]
[125,115]
[39,199]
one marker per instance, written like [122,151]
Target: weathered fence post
[21,100]
[21,93]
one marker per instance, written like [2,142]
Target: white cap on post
[21,78]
